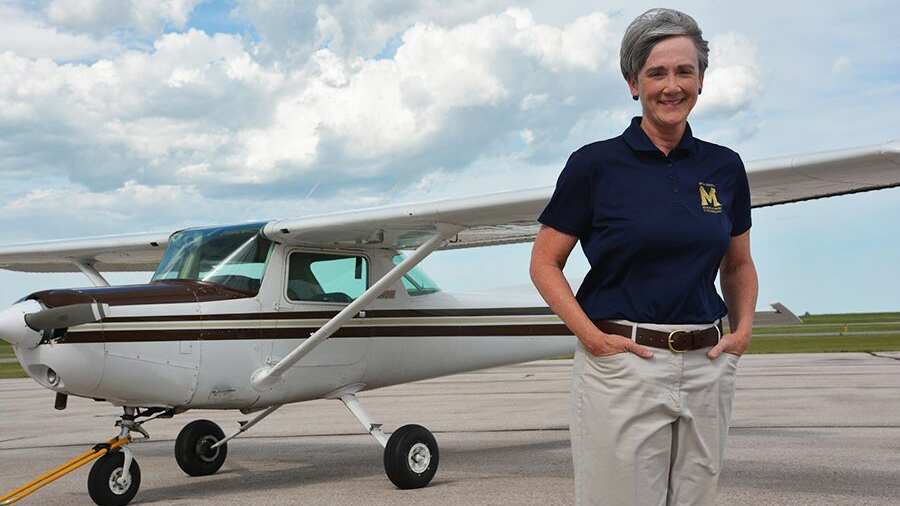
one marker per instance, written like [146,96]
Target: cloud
[25,33]
[142,116]
[734,80]
[98,213]
[202,109]
[292,30]
[146,17]
[841,66]
[136,207]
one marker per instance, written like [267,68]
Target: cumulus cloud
[201,109]
[141,115]
[147,17]
[734,80]
[292,30]
[27,34]
[378,111]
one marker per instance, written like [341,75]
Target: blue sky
[120,116]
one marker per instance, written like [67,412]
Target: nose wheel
[109,485]
[194,451]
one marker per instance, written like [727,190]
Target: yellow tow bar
[59,472]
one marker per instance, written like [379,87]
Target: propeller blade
[65,316]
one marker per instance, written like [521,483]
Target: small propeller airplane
[257,315]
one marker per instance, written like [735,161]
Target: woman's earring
[634,97]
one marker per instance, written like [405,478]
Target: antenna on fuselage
[312,190]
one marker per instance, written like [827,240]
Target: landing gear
[411,457]
[109,484]
[196,451]
[116,477]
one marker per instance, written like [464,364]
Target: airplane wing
[510,217]
[120,253]
[796,178]
[490,219]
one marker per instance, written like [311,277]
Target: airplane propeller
[65,316]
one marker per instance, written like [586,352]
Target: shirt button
[669,165]
[674,190]
[672,177]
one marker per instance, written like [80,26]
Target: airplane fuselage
[181,344]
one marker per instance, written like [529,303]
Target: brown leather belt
[678,341]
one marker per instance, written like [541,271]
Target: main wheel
[411,457]
[193,448]
[103,480]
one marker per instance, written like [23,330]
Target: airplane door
[317,286]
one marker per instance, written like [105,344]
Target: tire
[101,480]
[192,451]
[400,457]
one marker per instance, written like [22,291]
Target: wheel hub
[205,450]
[419,458]
[119,484]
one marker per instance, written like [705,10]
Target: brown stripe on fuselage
[130,336]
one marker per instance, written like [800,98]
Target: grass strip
[851,318]
[857,327]
[6,350]
[824,344]
[13,370]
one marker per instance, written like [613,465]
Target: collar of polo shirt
[637,139]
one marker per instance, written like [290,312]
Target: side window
[326,277]
[416,281]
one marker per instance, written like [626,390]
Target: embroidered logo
[708,200]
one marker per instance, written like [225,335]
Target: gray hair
[653,26]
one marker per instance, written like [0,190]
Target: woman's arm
[740,286]
[548,257]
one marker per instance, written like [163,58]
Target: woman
[659,214]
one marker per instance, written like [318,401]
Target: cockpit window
[415,280]
[234,257]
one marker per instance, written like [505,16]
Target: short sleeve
[740,210]
[569,210]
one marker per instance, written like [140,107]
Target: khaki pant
[650,432]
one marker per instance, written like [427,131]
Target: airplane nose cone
[13,328]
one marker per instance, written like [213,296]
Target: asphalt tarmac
[816,429]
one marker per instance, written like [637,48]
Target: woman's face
[669,82]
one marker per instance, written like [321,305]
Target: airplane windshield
[234,257]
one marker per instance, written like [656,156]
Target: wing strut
[267,377]
[90,271]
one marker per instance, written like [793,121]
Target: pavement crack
[875,354]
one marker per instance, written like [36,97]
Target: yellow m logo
[708,197]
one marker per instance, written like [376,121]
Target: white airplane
[255,316]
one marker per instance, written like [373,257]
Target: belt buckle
[669,341]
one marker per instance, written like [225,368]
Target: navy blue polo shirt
[654,228]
